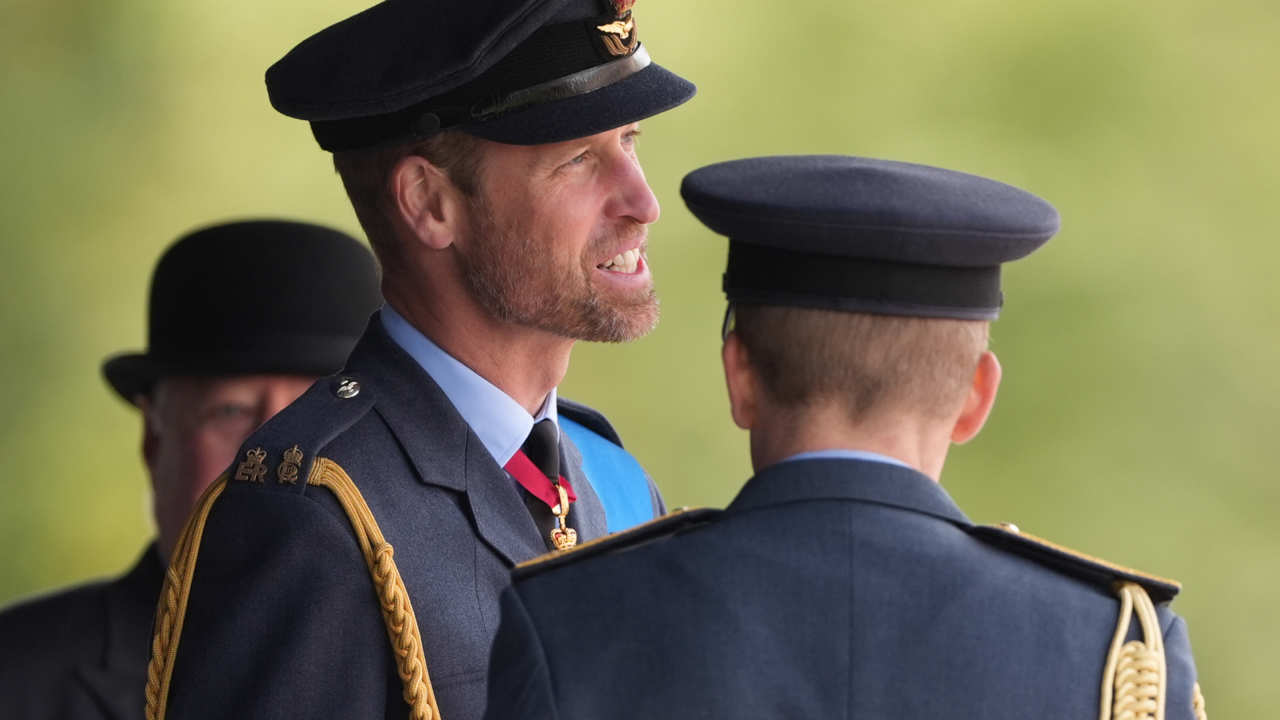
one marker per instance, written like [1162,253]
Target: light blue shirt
[847,455]
[500,422]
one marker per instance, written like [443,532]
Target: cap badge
[252,469]
[620,37]
[288,470]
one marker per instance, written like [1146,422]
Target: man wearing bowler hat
[843,581]
[351,564]
[237,330]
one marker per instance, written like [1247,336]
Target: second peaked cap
[522,72]
[866,235]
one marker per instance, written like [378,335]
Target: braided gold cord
[172,607]
[1197,703]
[1137,682]
[1133,681]
[397,612]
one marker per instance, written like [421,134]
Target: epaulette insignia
[1078,564]
[252,469]
[669,524]
[288,470]
[298,434]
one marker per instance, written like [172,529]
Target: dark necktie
[537,468]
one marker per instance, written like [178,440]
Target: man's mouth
[624,262]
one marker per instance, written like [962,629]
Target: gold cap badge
[620,37]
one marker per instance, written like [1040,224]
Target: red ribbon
[533,480]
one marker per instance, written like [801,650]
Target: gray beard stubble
[531,292]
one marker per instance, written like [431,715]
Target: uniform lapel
[441,446]
[501,516]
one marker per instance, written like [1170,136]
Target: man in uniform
[489,151]
[843,581]
[237,332]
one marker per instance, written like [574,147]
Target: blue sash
[616,477]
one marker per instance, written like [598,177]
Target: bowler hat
[262,296]
[522,72]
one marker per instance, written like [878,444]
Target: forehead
[528,156]
[194,388]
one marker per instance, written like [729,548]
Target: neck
[921,444]
[523,362]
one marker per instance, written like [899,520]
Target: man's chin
[624,324]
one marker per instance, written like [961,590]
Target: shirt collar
[500,422]
[841,454]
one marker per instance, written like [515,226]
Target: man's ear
[150,438]
[981,398]
[428,202]
[741,379]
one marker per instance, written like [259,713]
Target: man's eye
[229,411]
[579,158]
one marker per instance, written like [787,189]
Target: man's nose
[633,197]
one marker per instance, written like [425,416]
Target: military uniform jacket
[283,620]
[81,653]
[827,589]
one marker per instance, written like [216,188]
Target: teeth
[625,262]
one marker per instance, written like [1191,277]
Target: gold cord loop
[1197,703]
[1134,678]
[397,612]
[172,608]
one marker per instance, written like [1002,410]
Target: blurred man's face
[193,428]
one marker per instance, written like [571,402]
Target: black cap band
[773,276]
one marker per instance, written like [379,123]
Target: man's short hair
[366,175]
[869,363]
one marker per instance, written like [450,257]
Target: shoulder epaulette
[1071,562]
[283,450]
[673,522]
[588,417]
[324,411]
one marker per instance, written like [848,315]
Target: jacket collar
[130,602]
[442,448]
[850,480]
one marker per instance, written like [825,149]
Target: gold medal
[563,536]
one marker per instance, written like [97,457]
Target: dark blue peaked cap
[523,72]
[863,235]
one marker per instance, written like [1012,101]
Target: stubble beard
[518,282]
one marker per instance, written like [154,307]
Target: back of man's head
[861,292]
[868,365]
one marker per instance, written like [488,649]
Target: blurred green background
[1140,346]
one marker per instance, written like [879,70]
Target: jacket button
[347,389]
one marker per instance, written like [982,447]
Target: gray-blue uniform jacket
[282,619]
[827,589]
